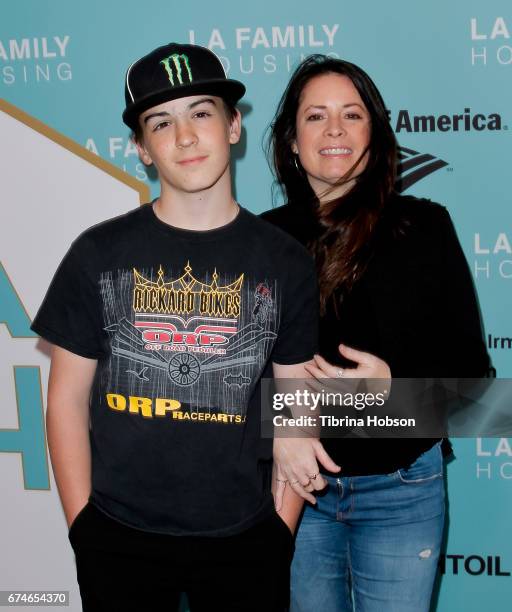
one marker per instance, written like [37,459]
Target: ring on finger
[313,477]
[339,373]
[281,480]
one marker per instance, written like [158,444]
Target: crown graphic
[186,295]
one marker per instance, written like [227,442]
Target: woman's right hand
[296,463]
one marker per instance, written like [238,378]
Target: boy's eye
[160,125]
[201,114]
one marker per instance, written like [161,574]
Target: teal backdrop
[445,72]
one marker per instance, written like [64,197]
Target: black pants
[121,569]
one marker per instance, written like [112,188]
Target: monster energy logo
[173,62]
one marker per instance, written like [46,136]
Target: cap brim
[228,89]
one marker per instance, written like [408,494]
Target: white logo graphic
[493,256]
[490,38]
[267,49]
[120,151]
[494,458]
[34,60]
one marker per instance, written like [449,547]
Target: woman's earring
[295,157]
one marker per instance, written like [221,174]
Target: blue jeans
[372,543]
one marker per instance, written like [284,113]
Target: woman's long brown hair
[348,223]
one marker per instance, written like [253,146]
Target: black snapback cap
[175,71]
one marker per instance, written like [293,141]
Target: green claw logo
[174,65]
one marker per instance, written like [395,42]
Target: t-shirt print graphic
[198,343]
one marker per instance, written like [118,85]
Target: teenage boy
[163,320]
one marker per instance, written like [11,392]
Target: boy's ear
[235,128]
[143,154]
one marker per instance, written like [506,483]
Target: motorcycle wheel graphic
[184,369]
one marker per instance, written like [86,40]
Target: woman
[393,283]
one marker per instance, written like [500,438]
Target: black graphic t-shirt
[182,324]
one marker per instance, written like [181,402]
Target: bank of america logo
[413,166]
[177,67]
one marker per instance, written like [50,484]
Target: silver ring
[314,476]
[339,373]
[280,480]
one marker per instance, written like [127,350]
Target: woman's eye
[353,116]
[314,117]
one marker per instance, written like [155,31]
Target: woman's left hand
[368,366]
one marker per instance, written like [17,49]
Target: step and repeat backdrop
[67,162]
